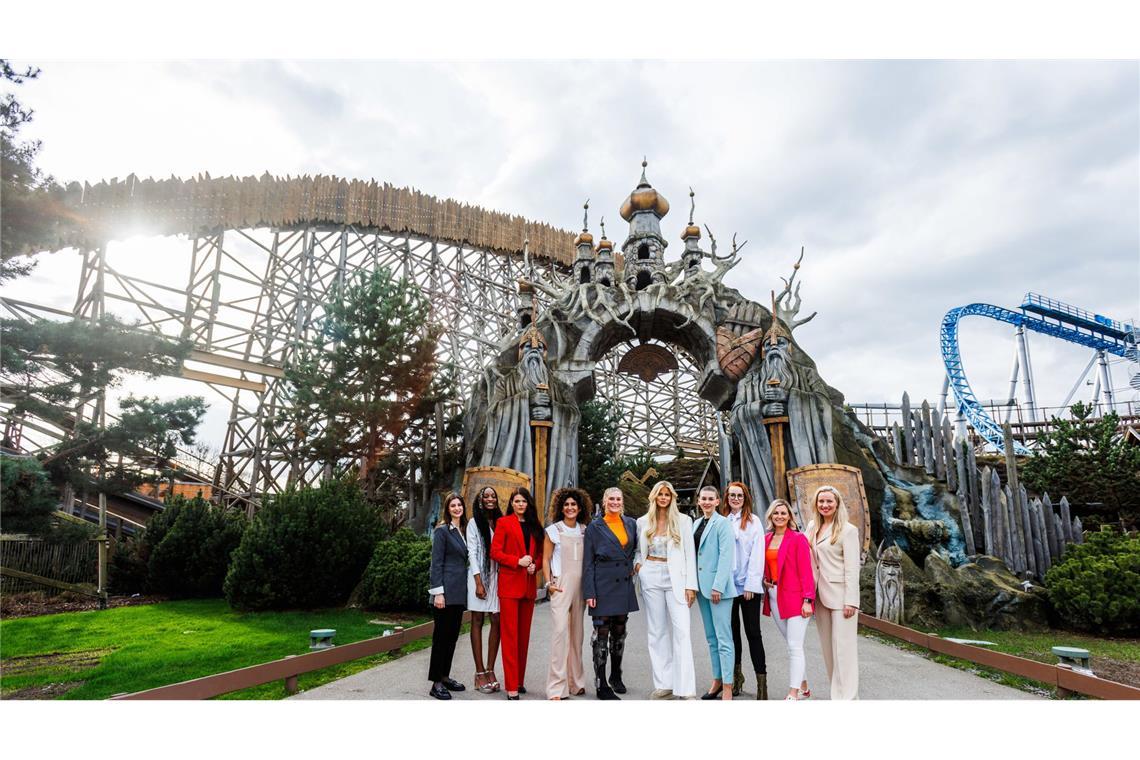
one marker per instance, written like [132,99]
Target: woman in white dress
[482,588]
[666,566]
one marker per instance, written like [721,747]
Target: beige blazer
[836,568]
[682,562]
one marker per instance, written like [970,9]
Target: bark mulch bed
[31,603]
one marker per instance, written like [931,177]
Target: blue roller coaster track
[1049,317]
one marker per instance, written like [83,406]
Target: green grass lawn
[93,655]
[1114,659]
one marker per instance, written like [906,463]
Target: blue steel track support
[986,426]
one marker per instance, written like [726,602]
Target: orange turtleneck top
[618,527]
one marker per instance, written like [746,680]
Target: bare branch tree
[788,302]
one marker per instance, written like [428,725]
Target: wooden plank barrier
[286,669]
[1063,678]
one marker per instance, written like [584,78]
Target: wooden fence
[1061,677]
[1029,536]
[31,563]
[286,669]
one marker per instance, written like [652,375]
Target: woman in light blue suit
[716,557]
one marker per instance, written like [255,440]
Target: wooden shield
[503,479]
[803,481]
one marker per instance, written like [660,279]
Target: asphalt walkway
[884,671]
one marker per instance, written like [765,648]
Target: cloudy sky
[914,186]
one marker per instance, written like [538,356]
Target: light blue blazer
[716,557]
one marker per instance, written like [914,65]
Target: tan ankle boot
[761,685]
[737,681]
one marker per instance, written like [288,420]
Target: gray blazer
[607,569]
[448,575]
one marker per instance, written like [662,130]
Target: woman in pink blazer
[785,578]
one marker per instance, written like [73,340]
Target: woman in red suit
[517,547]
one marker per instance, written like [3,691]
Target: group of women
[735,564]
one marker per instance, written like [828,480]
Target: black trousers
[750,611]
[448,621]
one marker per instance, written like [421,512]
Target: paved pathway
[884,672]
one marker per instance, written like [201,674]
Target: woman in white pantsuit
[666,566]
[834,546]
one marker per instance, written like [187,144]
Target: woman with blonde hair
[746,528]
[785,573]
[834,543]
[666,564]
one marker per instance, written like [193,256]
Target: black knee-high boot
[617,650]
[600,643]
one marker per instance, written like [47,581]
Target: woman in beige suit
[835,560]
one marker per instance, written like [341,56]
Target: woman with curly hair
[562,553]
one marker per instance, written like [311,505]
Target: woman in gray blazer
[448,578]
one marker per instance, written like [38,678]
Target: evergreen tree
[371,375]
[54,367]
[30,207]
[1092,463]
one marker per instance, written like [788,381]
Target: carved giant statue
[524,414]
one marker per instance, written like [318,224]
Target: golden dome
[605,245]
[691,231]
[644,198]
[584,238]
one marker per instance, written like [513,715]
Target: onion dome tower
[604,264]
[584,260]
[692,255]
[644,250]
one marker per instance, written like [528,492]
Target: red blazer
[507,547]
[795,580]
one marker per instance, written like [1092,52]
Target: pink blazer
[795,581]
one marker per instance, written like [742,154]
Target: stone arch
[652,315]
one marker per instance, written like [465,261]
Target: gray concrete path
[884,671]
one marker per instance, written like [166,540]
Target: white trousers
[670,648]
[793,630]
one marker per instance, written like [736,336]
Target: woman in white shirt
[666,566]
[746,604]
[483,587]
[562,559]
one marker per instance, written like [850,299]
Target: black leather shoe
[439,692]
[522,690]
[453,685]
[607,693]
[711,694]
[617,685]
[514,698]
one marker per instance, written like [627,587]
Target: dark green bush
[397,576]
[126,570]
[27,499]
[304,549]
[1096,585]
[193,555]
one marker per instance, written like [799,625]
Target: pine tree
[1088,460]
[371,375]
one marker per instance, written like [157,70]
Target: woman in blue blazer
[716,557]
[448,578]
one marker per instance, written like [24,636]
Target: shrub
[27,499]
[126,569]
[190,559]
[304,549]
[1096,585]
[397,576]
